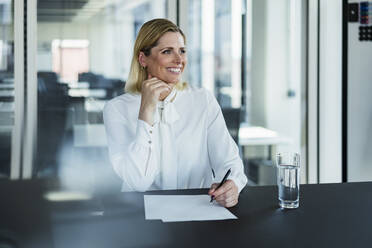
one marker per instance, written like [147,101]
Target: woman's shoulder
[124,99]
[197,92]
[123,103]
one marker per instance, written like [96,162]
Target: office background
[277,63]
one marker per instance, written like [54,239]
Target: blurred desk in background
[8,80]
[90,135]
[78,85]
[6,128]
[94,134]
[94,110]
[259,136]
[6,106]
[91,155]
[6,113]
[260,170]
[6,86]
[83,92]
[6,93]
[254,136]
[94,105]
[86,110]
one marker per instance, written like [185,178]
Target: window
[272,104]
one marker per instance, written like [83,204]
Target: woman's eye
[183,51]
[166,51]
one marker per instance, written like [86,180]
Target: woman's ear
[142,59]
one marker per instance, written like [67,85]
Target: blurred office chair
[48,76]
[232,119]
[53,103]
[112,86]
[5,141]
[89,77]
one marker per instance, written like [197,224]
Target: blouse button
[149,141]
[150,131]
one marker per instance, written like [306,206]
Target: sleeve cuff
[239,180]
[144,134]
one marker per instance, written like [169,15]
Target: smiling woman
[159,49]
[164,134]
[168,58]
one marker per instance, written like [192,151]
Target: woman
[164,134]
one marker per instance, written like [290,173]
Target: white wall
[258,71]
[330,86]
[44,60]
[61,30]
[109,40]
[277,67]
[282,112]
[274,72]
[47,32]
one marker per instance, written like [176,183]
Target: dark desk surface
[330,215]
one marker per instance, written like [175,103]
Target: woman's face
[168,59]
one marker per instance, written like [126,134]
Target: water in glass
[288,183]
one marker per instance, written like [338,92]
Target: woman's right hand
[152,89]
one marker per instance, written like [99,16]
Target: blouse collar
[166,111]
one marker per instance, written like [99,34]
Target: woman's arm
[223,155]
[131,152]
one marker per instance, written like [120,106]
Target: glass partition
[84,51]
[6,85]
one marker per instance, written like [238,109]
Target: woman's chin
[172,81]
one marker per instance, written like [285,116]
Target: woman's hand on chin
[152,91]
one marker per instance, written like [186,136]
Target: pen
[222,182]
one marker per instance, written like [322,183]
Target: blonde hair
[147,38]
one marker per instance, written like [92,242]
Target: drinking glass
[288,179]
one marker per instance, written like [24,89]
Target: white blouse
[188,145]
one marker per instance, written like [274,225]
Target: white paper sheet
[169,208]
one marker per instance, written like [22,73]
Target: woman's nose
[177,58]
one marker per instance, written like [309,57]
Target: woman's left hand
[227,195]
